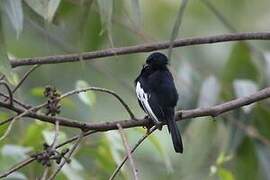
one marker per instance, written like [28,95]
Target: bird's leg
[152,123]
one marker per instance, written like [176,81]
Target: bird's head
[157,60]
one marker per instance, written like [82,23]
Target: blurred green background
[234,145]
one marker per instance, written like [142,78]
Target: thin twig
[31,159]
[77,91]
[53,145]
[141,48]
[252,132]
[45,174]
[6,121]
[132,150]
[74,147]
[127,147]
[176,26]
[12,121]
[2,77]
[17,167]
[9,92]
[219,15]
[25,106]
[24,77]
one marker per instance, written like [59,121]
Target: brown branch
[180,115]
[133,149]
[25,106]
[127,147]
[141,48]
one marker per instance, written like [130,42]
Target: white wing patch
[143,97]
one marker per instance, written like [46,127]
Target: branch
[133,149]
[141,48]
[10,94]
[24,77]
[176,26]
[180,115]
[127,147]
[17,167]
[74,147]
[31,159]
[12,121]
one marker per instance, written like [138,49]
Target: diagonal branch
[128,150]
[10,94]
[74,147]
[24,77]
[141,48]
[176,26]
[140,141]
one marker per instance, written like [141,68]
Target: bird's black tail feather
[175,134]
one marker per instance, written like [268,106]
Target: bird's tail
[175,134]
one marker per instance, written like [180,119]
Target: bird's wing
[149,103]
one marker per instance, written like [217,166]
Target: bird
[157,95]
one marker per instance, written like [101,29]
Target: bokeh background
[234,145]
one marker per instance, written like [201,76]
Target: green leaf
[50,135]
[261,119]
[13,9]
[88,97]
[222,158]
[246,163]
[33,136]
[16,176]
[46,9]
[5,67]
[225,174]
[209,92]
[239,66]
[11,154]
[106,11]
[37,91]
[73,170]
[116,145]
[156,143]
[15,151]
[264,158]
[243,88]
[136,13]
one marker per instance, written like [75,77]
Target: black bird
[157,95]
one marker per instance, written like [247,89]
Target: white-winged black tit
[158,96]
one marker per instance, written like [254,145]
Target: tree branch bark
[180,115]
[141,48]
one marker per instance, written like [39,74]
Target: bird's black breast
[161,84]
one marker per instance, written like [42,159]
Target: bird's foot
[159,125]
